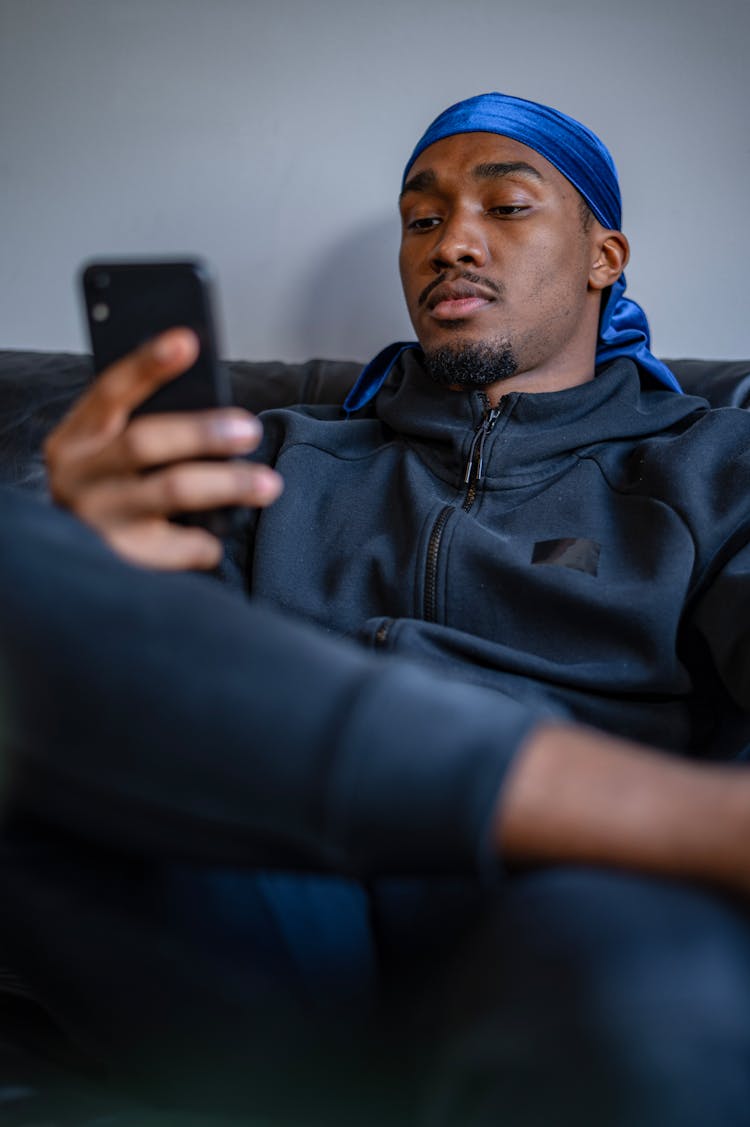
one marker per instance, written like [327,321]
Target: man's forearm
[576,796]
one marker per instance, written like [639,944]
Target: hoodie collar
[536,427]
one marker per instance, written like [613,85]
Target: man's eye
[508,209]
[425,223]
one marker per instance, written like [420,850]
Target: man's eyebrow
[493,170]
[421,182]
[496,170]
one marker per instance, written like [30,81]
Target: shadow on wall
[349,305]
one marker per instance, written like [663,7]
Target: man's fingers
[181,488]
[168,547]
[155,440]
[126,384]
[197,486]
[105,407]
[126,476]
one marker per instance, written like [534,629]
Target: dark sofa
[38,1082]
[36,388]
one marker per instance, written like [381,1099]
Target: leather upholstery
[36,388]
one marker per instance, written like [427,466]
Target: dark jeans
[187,979]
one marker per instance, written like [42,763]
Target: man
[527,503]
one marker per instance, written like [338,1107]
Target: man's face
[495,259]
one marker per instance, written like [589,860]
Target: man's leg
[173,971]
[588,998]
[203,989]
[233,734]
[200,727]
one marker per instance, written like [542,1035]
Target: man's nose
[461,241]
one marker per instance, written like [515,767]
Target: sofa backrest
[37,388]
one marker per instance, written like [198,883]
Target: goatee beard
[471,365]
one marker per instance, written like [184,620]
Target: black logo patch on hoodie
[572,551]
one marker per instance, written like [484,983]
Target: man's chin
[471,364]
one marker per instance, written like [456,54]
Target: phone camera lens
[101,280]
[99,311]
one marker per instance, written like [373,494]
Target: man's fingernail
[268,482]
[238,427]
[163,349]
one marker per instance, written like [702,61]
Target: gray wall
[270,136]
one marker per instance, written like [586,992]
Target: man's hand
[577,796]
[125,478]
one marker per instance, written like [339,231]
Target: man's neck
[536,382]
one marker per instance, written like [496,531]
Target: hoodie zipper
[472,478]
[475,462]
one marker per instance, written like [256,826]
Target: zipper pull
[477,446]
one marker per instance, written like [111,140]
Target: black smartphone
[129,301]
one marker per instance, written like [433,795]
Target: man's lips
[451,301]
[453,309]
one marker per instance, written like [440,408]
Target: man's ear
[611,254]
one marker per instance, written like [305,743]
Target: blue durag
[581,157]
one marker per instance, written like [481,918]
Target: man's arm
[577,796]
[125,478]
[571,795]
[161,715]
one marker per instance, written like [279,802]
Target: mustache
[467,276]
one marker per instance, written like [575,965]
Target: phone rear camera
[101,280]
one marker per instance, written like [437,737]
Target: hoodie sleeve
[723,618]
[165,716]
